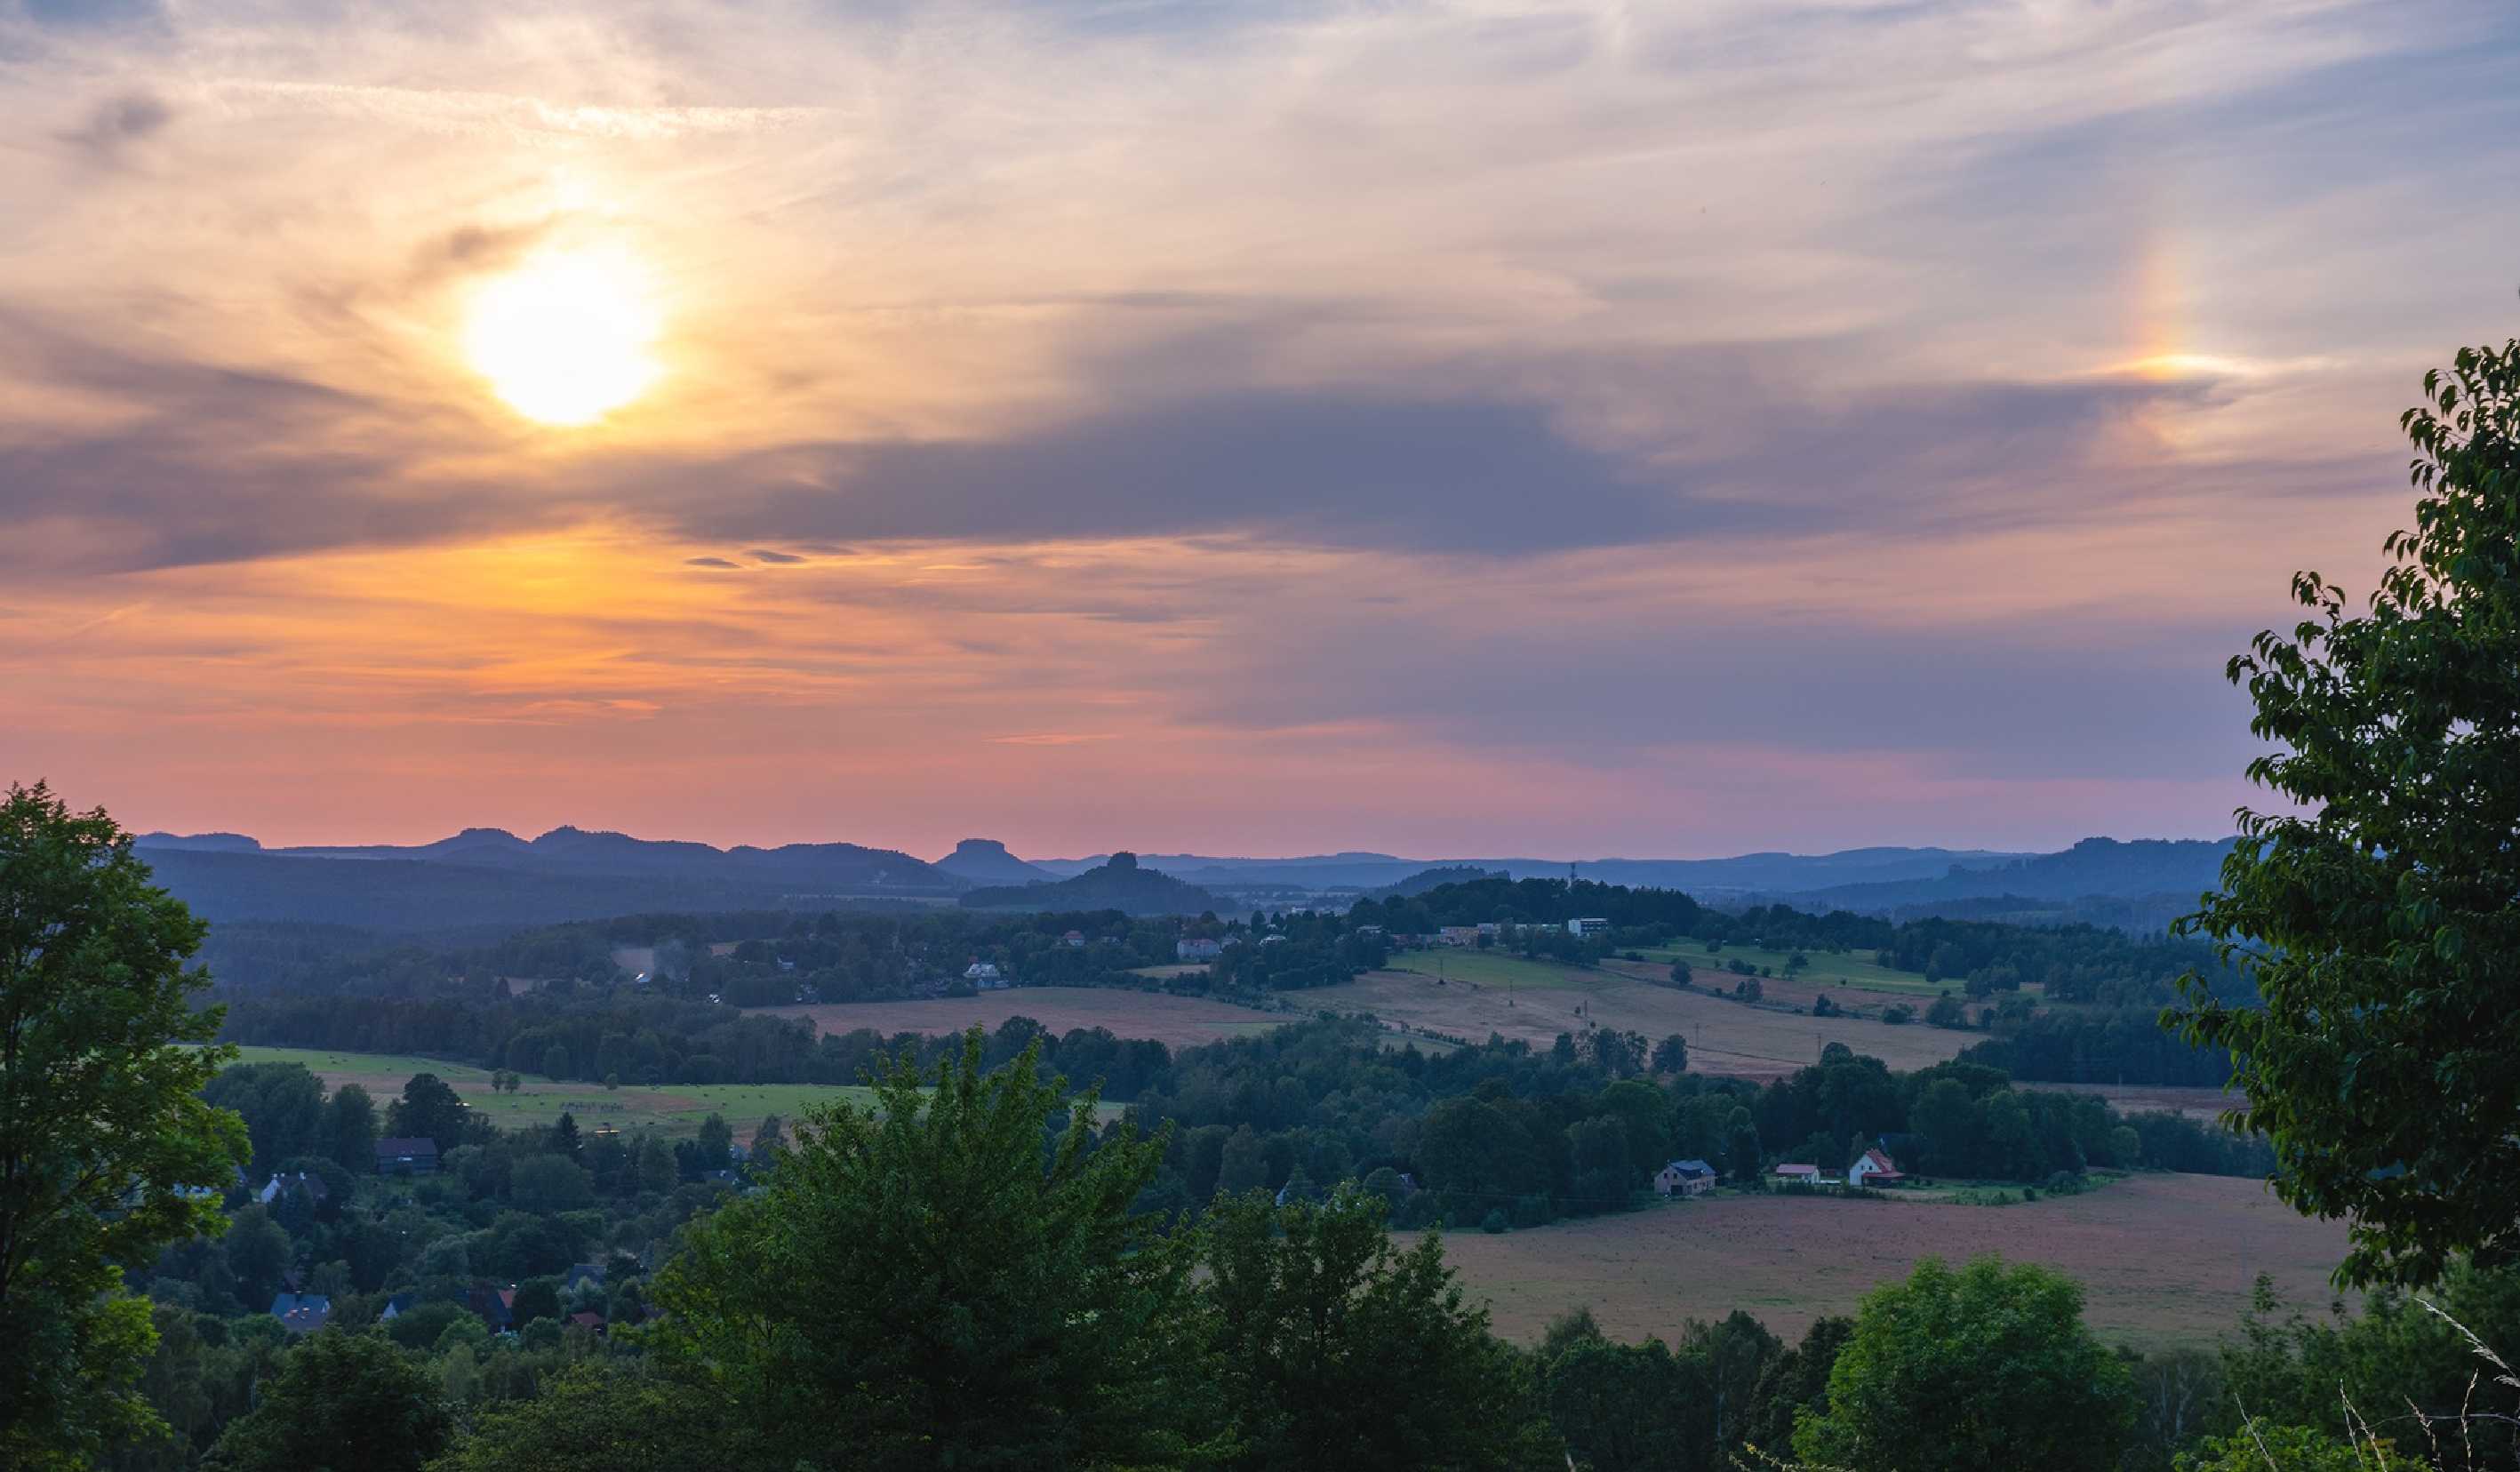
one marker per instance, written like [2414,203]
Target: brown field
[2133,1099]
[1180,1022]
[1723,1037]
[2164,1259]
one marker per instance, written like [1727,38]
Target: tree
[2378,911]
[427,1110]
[102,1123]
[342,1399]
[350,1129]
[1681,975]
[257,1252]
[564,1138]
[1340,1351]
[654,1165]
[954,1286]
[1980,1371]
[1626,1407]
[1244,1166]
[282,1105]
[716,1146]
[2261,1447]
[1671,1056]
[549,1184]
[595,1418]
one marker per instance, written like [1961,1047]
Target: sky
[1252,428]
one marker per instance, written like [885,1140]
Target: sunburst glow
[567,336]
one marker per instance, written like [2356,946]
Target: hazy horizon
[1076,852]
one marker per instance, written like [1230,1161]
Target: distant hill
[1747,873]
[489,877]
[201,843]
[1431,878]
[985,861]
[2174,871]
[1121,883]
[1344,870]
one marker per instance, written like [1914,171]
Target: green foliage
[427,1110]
[2397,1357]
[2379,910]
[101,1124]
[2264,1448]
[1340,1350]
[1981,1370]
[344,1401]
[923,1284]
[596,1418]
[1628,1407]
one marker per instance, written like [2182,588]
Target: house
[397,1156]
[1074,940]
[1457,935]
[313,1185]
[397,1306]
[1684,1177]
[589,1320]
[302,1312]
[1586,929]
[1370,932]
[1197,950]
[497,1307]
[1807,1175]
[1273,940]
[984,974]
[1874,1169]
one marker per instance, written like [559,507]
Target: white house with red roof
[1874,1169]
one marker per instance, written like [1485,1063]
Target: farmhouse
[984,975]
[1684,1177]
[1807,1174]
[1874,1169]
[413,1157]
[1197,950]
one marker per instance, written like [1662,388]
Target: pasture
[1178,1021]
[2165,1259]
[675,1109]
[1536,1000]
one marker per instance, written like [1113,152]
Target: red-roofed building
[1874,1169]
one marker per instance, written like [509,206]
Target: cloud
[709,562]
[1446,476]
[765,555]
[117,123]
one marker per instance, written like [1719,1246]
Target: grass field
[2165,1259]
[1536,1000]
[1847,971]
[1179,1022]
[676,1109]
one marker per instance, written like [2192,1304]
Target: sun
[566,338]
